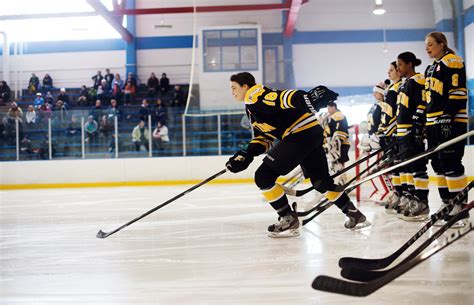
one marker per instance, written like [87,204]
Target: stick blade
[334,285]
[364,263]
[101,234]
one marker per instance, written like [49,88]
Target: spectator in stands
[178,97]
[9,131]
[132,78]
[153,85]
[5,93]
[26,151]
[160,112]
[90,128]
[144,111]
[30,116]
[33,84]
[164,83]
[97,79]
[43,151]
[83,99]
[39,101]
[59,112]
[47,83]
[140,136]
[45,113]
[106,129]
[64,97]
[113,111]
[117,92]
[160,138]
[129,92]
[73,136]
[49,98]
[118,81]
[15,112]
[109,78]
[98,111]
[104,96]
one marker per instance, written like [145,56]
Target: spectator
[103,92]
[26,151]
[97,79]
[60,111]
[5,93]
[164,83]
[43,151]
[140,136]
[131,78]
[109,78]
[47,82]
[83,98]
[39,101]
[73,136]
[178,97]
[9,131]
[118,81]
[113,111]
[98,111]
[159,112]
[30,116]
[117,92]
[161,138]
[90,128]
[129,91]
[106,128]
[49,98]
[153,85]
[33,84]
[45,113]
[15,112]
[63,96]
[144,111]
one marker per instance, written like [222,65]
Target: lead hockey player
[289,116]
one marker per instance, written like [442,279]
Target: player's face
[403,67]
[238,92]
[434,49]
[392,73]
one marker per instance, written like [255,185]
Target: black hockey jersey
[388,119]
[337,127]
[277,114]
[373,118]
[445,88]
[411,99]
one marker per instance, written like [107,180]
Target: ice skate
[456,209]
[357,220]
[418,210]
[392,203]
[287,226]
[403,205]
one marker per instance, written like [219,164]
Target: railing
[77,135]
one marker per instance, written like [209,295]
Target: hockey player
[411,106]
[446,112]
[337,140]
[288,116]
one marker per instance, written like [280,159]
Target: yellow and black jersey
[388,119]
[337,127]
[411,100]
[445,88]
[373,118]
[277,114]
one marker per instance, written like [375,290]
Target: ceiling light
[378,9]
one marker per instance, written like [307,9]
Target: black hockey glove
[418,134]
[444,126]
[239,162]
[320,96]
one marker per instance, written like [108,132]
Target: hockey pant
[447,164]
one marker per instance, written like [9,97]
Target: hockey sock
[422,186]
[456,184]
[344,203]
[277,198]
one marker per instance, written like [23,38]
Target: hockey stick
[102,234]
[299,193]
[292,177]
[364,275]
[320,204]
[365,263]
[398,165]
[331,284]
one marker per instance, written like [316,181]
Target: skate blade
[285,234]
[360,225]
[416,218]
[390,211]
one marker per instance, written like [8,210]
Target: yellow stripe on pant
[456,184]
[273,194]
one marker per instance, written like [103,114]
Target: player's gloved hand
[419,134]
[364,144]
[444,126]
[374,142]
[239,162]
[320,96]
[385,141]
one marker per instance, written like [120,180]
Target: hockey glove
[444,127]
[239,162]
[320,96]
[374,142]
[419,134]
